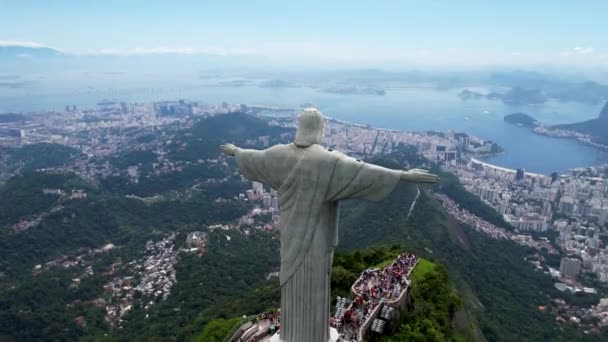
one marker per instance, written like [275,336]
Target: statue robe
[310,182]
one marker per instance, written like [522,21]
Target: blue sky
[355,32]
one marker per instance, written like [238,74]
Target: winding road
[409,213]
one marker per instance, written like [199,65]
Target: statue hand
[228,149]
[419,176]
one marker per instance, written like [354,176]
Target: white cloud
[577,51]
[141,51]
[396,56]
[583,50]
[357,55]
[6,43]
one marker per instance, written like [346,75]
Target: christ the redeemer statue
[311,180]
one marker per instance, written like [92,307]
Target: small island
[355,90]
[278,84]
[516,96]
[467,94]
[234,83]
[521,119]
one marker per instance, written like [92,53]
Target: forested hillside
[55,267]
[53,226]
[499,289]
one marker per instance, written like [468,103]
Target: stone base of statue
[333,336]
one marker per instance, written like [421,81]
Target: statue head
[310,128]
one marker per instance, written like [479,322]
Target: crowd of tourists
[372,288]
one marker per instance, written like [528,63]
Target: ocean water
[413,109]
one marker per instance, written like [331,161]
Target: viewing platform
[379,297]
[377,292]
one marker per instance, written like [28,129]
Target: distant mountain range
[16,51]
[278,84]
[516,96]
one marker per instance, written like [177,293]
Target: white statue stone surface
[311,180]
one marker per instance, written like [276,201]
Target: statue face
[310,128]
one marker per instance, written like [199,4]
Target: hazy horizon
[389,35]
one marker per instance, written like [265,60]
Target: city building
[569,267]
[519,174]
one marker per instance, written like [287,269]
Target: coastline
[573,137]
[478,157]
[539,128]
[504,169]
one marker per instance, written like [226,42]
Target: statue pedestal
[333,336]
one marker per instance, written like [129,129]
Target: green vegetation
[264,297]
[22,195]
[423,267]
[235,126]
[141,158]
[42,155]
[227,282]
[434,300]
[383,264]
[450,185]
[202,140]
[348,266]
[521,119]
[433,310]
[217,330]
[212,284]
[35,307]
[101,218]
[190,148]
[499,292]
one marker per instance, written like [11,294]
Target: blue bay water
[413,109]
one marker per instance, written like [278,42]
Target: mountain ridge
[21,51]
[596,128]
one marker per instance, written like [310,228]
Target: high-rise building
[258,188]
[554,177]
[603,217]
[566,205]
[465,142]
[546,208]
[519,174]
[533,223]
[266,200]
[274,203]
[265,140]
[251,195]
[569,267]
[584,209]
[477,166]
[450,155]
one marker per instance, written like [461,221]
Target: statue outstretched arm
[229,149]
[419,176]
[255,165]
